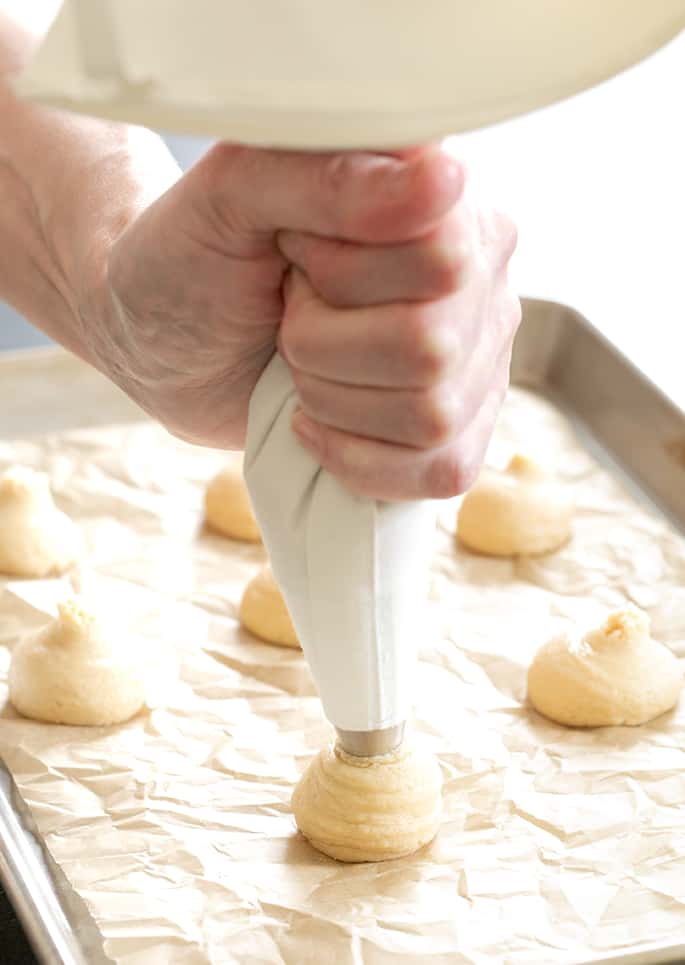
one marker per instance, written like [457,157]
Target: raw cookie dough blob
[518,511]
[74,672]
[614,675]
[369,808]
[36,538]
[264,613]
[227,505]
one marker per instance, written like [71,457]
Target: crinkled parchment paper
[176,830]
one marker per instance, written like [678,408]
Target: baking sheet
[175,829]
[56,920]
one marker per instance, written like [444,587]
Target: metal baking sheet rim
[631,422]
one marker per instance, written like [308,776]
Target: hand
[186,306]
[401,352]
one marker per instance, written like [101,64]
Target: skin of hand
[383,283]
[401,354]
[380,278]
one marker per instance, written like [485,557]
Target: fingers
[382,470]
[346,275]
[410,417]
[421,418]
[428,442]
[405,345]
[396,346]
[464,245]
[362,197]
[399,398]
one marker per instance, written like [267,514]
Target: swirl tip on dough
[228,509]
[263,610]
[629,626]
[77,624]
[615,674]
[518,511]
[36,538]
[369,809]
[524,467]
[73,671]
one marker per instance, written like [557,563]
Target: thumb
[356,196]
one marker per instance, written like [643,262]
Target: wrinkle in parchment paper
[176,829]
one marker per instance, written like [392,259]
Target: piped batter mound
[36,538]
[73,671]
[616,674]
[264,613]
[369,808]
[227,505]
[520,511]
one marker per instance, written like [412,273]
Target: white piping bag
[353,572]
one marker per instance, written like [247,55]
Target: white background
[597,187]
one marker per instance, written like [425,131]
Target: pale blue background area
[15,332]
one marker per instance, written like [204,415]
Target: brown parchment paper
[175,828]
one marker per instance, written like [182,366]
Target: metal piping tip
[371,743]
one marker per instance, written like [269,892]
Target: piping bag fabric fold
[353,570]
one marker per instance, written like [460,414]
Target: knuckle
[450,474]
[423,345]
[435,417]
[436,178]
[444,266]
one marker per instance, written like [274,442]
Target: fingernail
[305,430]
